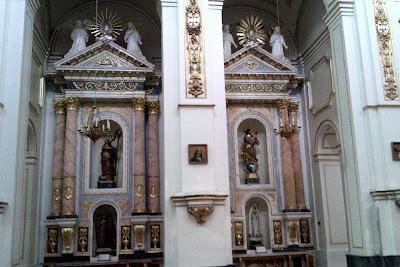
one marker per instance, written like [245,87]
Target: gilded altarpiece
[106,129]
[264,117]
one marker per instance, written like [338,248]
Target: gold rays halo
[107,23]
[251,31]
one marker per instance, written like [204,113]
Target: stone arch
[31,142]
[327,139]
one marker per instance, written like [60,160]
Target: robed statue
[248,154]
[228,42]
[133,40]
[109,160]
[105,234]
[254,220]
[79,37]
[277,43]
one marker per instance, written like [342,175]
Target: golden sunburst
[251,32]
[107,26]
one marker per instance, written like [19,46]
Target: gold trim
[200,212]
[154,107]
[72,103]
[83,234]
[125,238]
[139,190]
[57,193]
[68,192]
[154,192]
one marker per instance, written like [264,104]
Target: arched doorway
[105,230]
[329,199]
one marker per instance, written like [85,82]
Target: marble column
[139,171]
[68,202]
[153,160]
[286,131]
[296,158]
[58,156]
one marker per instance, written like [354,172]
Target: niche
[252,153]
[257,223]
[106,159]
[105,230]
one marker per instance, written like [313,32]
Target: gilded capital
[139,104]
[59,106]
[293,107]
[72,103]
[154,107]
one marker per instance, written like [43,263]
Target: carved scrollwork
[195,86]
[238,234]
[200,212]
[83,233]
[386,50]
[305,231]
[254,88]
[125,237]
[52,240]
[277,226]
[106,86]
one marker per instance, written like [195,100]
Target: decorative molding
[72,103]
[386,50]
[200,212]
[83,239]
[106,85]
[139,103]
[68,240]
[254,87]
[195,85]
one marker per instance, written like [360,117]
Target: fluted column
[139,172]
[58,156]
[68,202]
[286,131]
[296,159]
[153,160]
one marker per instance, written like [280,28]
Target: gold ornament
[239,234]
[277,226]
[59,106]
[52,240]
[57,193]
[139,104]
[251,32]
[305,231]
[125,237]
[139,191]
[83,239]
[68,192]
[154,107]
[107,26]
[155,236]
[154,192]
[200,212]
[72,103]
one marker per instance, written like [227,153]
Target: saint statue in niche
[105,234]
[133,40]
[249,156]
[228,42]
[109,160]
[254,219]
[277,43]
[80,38]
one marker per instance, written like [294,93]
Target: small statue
[133,40]
[277,43]
[80,38]
[228,42]
[249,155]
[254,219]
[109,159]
[105,233]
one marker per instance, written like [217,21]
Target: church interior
[121,168]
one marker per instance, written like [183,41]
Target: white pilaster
[16,53]
[193,121]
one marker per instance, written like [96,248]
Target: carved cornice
[200,213]
[72,103]
[106,85]
[139,103]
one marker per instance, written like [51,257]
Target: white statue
[278,42]
[132,38]
[254,219]
[228,42]
[80,38]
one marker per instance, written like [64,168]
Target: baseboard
[374,261]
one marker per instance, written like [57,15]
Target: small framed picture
[198,154]
[396,151]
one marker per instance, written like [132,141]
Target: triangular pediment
[256,61]
[104,57]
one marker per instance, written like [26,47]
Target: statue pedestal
[252,178]
[106,184]
[255,242]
